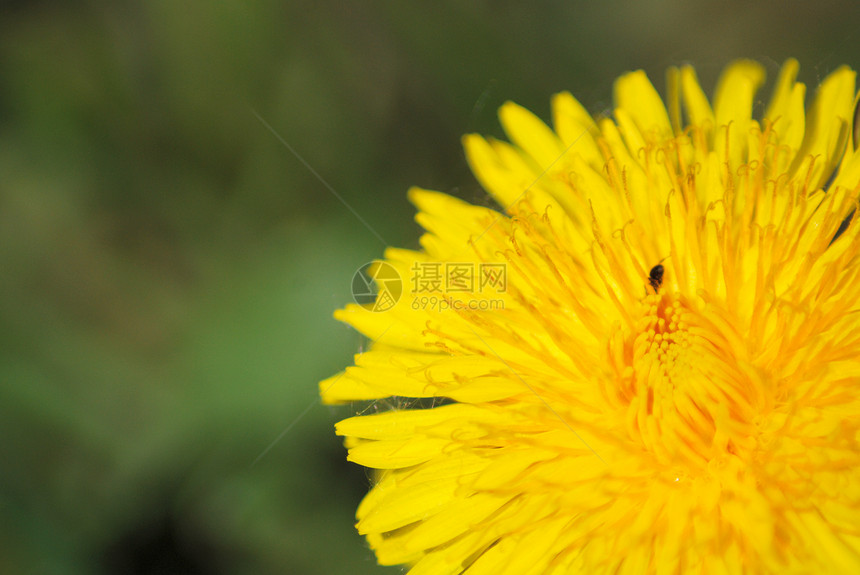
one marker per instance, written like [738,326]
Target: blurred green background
[168,268]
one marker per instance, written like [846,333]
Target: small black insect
[655,277]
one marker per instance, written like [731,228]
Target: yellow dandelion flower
[649,363]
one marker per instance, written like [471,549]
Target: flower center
[661,358]
[672,392]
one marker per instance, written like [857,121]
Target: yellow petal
[733,105]
[828,127]
[531,134]
[636,96]
[576,128]
[786,108]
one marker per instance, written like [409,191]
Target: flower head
[668,378]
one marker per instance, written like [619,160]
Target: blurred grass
[169,269]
